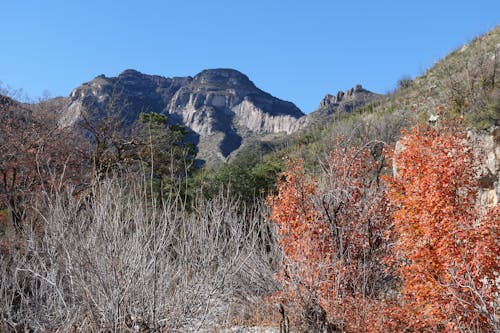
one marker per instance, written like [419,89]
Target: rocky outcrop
[228,97]
[348,99]
[222,107]
[225,108]
[487,148]
[332,105]
[249,115]
[347,96]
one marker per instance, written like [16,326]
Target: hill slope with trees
[384,218]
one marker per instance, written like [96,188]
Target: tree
[164,151]
[447,251]
[37,155]
[164,146]
[149,144]
[331,230]
[247,176]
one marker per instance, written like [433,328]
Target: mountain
[221,107]
[331,106]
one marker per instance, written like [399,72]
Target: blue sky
[295,50]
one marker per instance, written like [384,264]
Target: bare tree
[114,259]
[37,155]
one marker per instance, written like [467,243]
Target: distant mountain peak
[222,77]
[130,71]
[222,73]
[344,96]
[222,107]
[343,101]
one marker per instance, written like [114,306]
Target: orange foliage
[331,229]
[427,261]
[447,253]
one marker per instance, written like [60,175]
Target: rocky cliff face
[222,107]
[126,95]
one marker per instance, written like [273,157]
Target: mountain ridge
[222,108]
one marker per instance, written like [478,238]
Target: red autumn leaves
[411,252]
[450,250]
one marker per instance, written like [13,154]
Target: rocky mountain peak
[222,78]
[130,72]
[343,96]
[343,101]
[221,107]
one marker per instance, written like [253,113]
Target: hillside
[374,214]
[465,83]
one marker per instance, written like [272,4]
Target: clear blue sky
[295,50]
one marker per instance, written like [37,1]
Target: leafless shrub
[115,259]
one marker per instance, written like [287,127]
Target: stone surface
[331,105]
[487,149]
[221,107]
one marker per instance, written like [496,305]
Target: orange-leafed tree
[331,230]
[447,252]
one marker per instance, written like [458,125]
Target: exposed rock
[330,100]
[347,96]
[222,107]
[249,115]
[487,147]
[126,95]
[343,101]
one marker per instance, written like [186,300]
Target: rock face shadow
[230,143]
